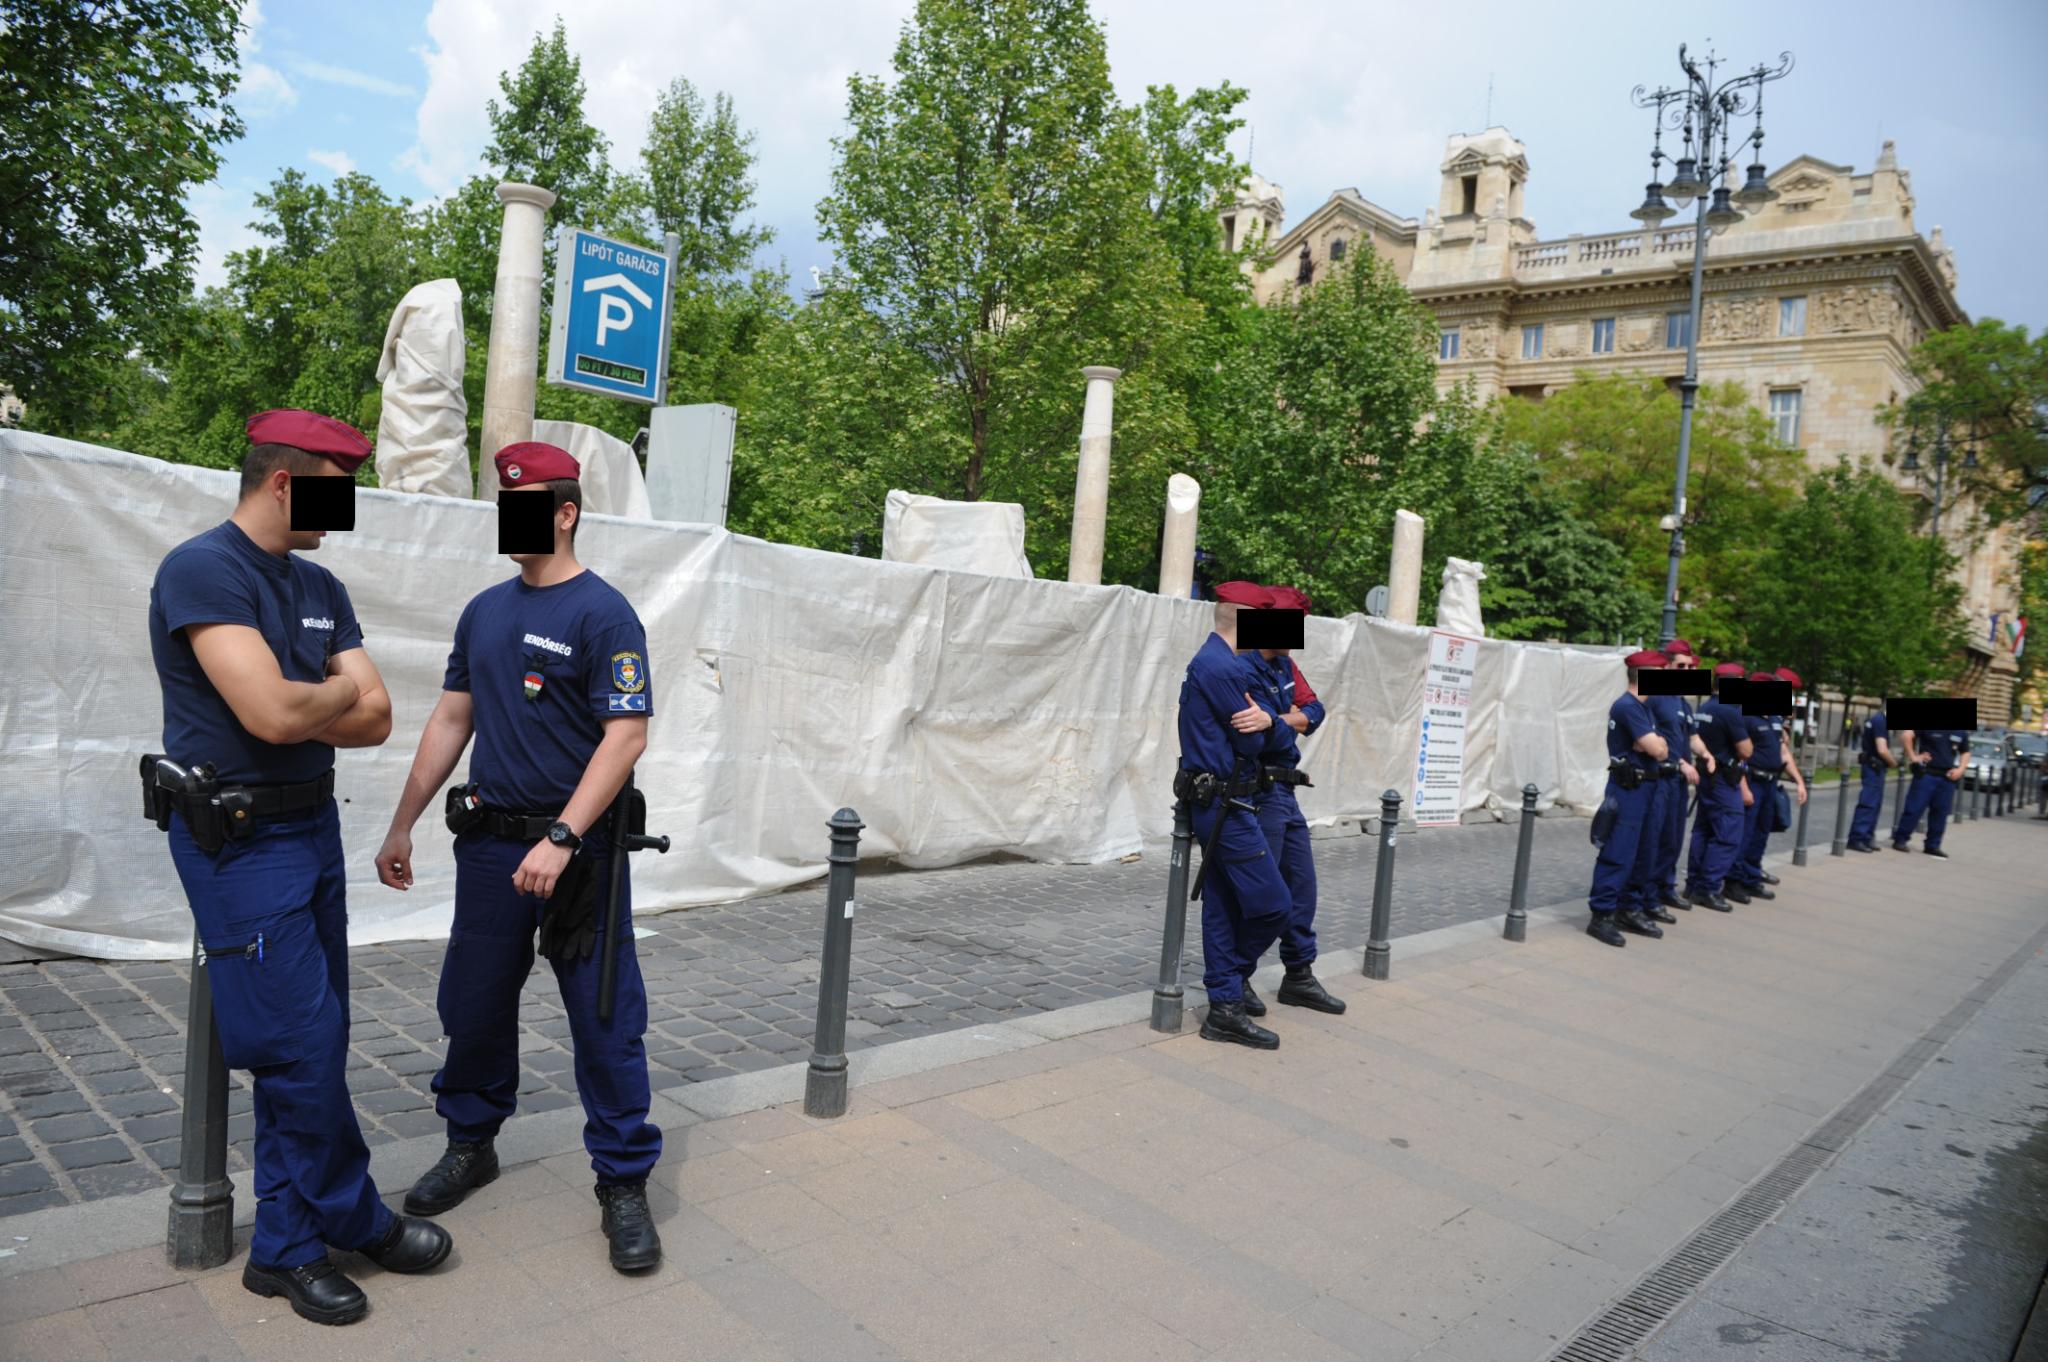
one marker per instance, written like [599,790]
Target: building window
[1230,233]
[1471,184]
[1337,249]
[1528,392]
[1785,415]
[1677,330]
[1792,316]
[1603,335]
[1447,344]
[1532,341]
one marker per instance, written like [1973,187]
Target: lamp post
[1701,107]
[1937,420]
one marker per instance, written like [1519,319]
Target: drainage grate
[1613,1335]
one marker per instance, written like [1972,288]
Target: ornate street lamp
[1700,107]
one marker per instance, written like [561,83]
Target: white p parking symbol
[613,312]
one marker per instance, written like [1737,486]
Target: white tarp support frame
[961,714]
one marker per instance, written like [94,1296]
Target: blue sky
[1342,95]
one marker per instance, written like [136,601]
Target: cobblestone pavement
[92,1055]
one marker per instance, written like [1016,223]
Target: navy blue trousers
[1716,836]
[272,912]
[1245,903]
[490,953]
[1933,794]
[1667,816]
[1622,871]
[1869,799]
[1756,833]
[1287,838]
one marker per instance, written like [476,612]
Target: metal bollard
[1841,843]
[1167,995]
[1976,793]
[825,1084]
[202,1228]
[1377,951]
[1799,829]
[1517,927]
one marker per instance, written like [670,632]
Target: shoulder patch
[627,704]
[629,673]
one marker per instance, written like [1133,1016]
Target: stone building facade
[1812,304]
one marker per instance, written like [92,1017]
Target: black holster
[465,808]
[168,788]
[568,924]
[1626,774]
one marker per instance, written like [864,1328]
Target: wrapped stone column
[1091,480]
[512,366]
[1177,540]
[1404,573]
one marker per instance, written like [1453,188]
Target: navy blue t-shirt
[301,609]
[545,667]
[1629,719]
[1720,727]
[1945,747]
[1674,723]
[1874,728]
[1769,736]
[1214,689]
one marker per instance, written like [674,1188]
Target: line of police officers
[1659,748]
[264,673]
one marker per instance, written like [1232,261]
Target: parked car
[1991,754]
[2030,756]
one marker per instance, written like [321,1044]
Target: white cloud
[223,215]
[339,162]
[353,79]
[263,92]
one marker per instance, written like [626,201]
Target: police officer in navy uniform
[1668,793]
[549,672]
[1224,733]
[1875,757]
[1937,760]
[264,674]
[1621,872]
[1300,713]
[1717,831]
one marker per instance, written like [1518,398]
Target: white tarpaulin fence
[960,714]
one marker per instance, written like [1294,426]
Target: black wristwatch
[559,835]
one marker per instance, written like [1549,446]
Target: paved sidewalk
[1468,1166]
[91,1055]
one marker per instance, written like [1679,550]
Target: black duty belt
[279,801]
[520,827]
[215,814]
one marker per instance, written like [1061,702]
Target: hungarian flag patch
[534,682]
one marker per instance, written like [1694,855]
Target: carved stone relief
[1738,319]
[1639,333]
[1476,340]
[1564,340]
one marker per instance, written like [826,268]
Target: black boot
[1934,851]
[1713,901]
[319,1291]
[1602,928]
[1769,878]
[1671,900]
[1735,893]
[1227,1022]
[1254,1005]
[629,1225]
[1301,988]
[441,1188]
[1633,921]
[1862,846]
[1760,891]
[410,1246]
[1656,913]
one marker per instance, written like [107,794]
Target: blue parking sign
[611,319]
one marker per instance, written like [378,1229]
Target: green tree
[1847,595]
[1328,404]
[1987,381]
[1607,445]
[539,134]
[991,211]
[109,112]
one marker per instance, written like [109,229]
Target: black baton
[623,840]
[1209,846]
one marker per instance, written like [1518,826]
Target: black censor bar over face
[1270,628]
[1757,699]
[1929,714]
[1674,681]
[526,521]
[323,503]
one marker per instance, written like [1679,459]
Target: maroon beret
[1646,658]
[1677,646]
[1788,675]
[1245,593]
[1764,676]
[316,434]
[1729,669]
[1288,598]
[532,461]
